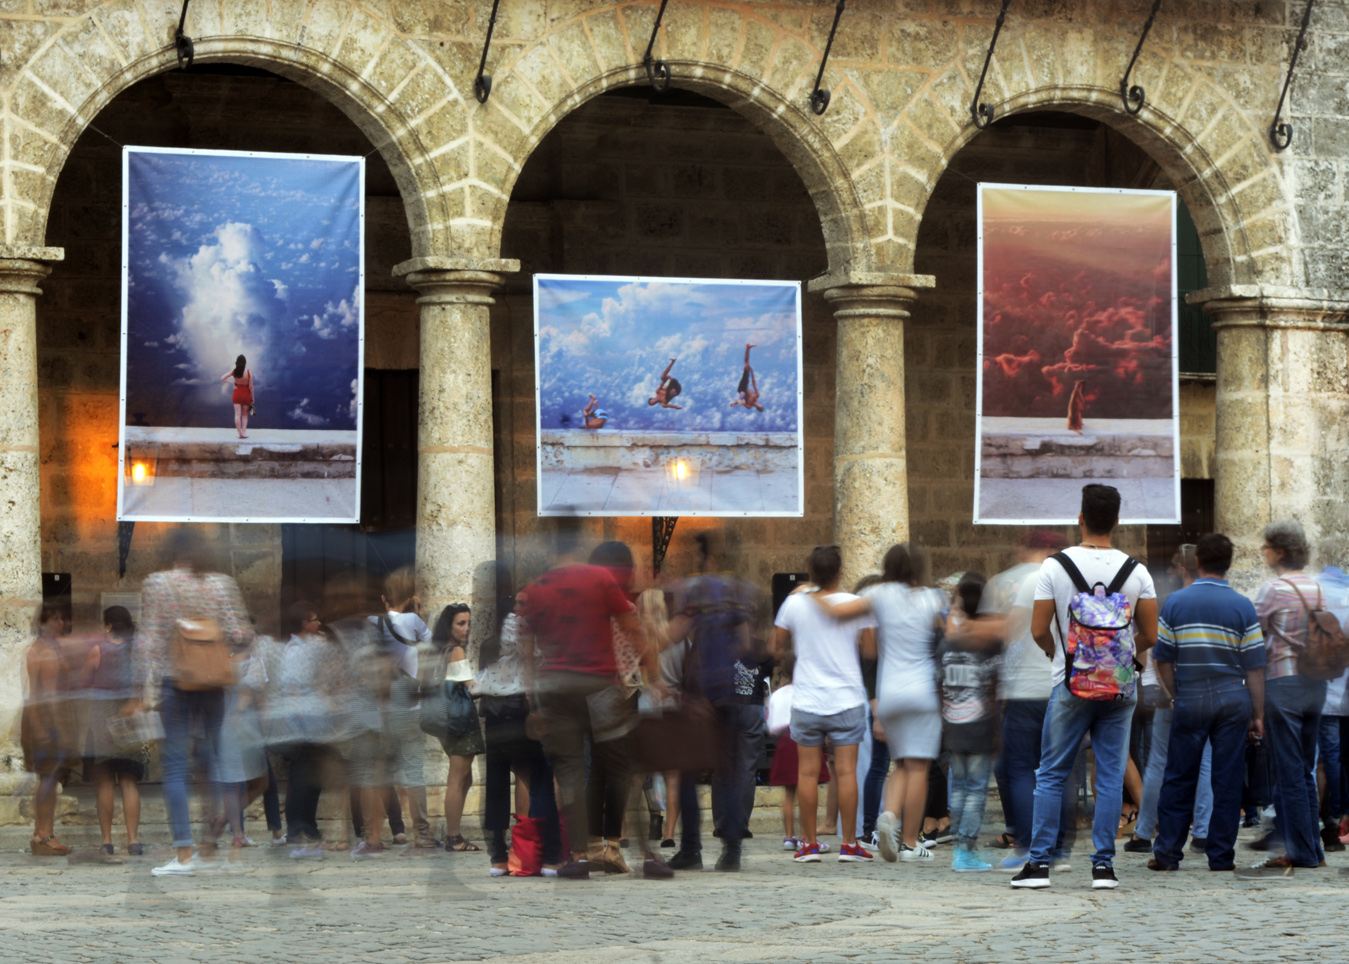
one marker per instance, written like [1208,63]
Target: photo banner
[1078,374]
[668,397]
[242,336]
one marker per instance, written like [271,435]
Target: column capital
[857,294]
[1274,306]
[23,266]
[448,281]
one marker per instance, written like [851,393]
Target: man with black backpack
[1095,611]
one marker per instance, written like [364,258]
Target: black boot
[657,825]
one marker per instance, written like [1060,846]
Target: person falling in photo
[748,392]
[1077,404]
[668,389]
[594,416]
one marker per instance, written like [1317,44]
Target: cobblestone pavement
[445,908]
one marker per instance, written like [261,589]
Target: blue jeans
[1292,725]
[1213,714]
[186,714]
[1068,719]
[1155,773]
[969,794]
[1023,724]
[1329,747]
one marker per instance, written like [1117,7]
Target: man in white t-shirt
[829,699]
[1070,717]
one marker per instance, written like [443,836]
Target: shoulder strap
[386,623]
[1121,577]
[1301,598]
[1074,573]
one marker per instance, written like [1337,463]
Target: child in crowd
[967,668]
[783,772]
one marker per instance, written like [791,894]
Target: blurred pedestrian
[191,619]
[451,640]
[49,734]
[110,689]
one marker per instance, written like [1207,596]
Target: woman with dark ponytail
[242,379]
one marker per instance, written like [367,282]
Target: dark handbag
[504,708]
[448,709]
[1257,791]
[682,739]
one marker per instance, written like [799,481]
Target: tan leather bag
[200,656]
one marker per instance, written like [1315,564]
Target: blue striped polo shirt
[1210,632]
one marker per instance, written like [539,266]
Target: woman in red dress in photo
[242,398]
[1077,404]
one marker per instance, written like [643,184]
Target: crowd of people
[600,705]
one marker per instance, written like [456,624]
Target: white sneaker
[919,852]
[279,841]
[175,868]
[886,827]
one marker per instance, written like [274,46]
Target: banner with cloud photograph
[668,397]
[1078,369]
[242,336]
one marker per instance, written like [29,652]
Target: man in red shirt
[567,645]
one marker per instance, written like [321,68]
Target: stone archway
[397,96]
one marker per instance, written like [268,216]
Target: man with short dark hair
[1211,656]
[1107,572]
[829,699]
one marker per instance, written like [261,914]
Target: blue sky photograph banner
[228,254]
[642,379]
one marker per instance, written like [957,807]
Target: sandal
[48,846]
[458,845]
[1127,822]
[337,845]
[1002,841]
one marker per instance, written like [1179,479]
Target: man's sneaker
[886,826]
[686,860]
[1197,844]
[1262,844]
[1103,877]
[202,866]
[1060,865]
[1014,862]
[824,847]
[916,853]
[175,868]
[1250,820]
[1330,840]
[853,853]
[1155,864]
[969,862]
[363,851]
[931,838]
[1033,876]
[279,841]
[873,841]
[575,870]
[808,854]
[728,862]
[1138,845]
[311,851]
[792,843]
[1275,868]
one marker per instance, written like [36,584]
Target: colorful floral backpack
[1099,647]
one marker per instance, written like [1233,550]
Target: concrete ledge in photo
[715,451]
[218,453]
[1044,448]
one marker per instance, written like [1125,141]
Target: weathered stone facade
[885,172]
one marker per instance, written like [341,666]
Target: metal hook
[182,43]
[1133,96]
[657,71]
[1280,131]
[819,97]
[482,84]
[983,113]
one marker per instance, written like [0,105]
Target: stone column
[21,269]
[456,512]
[1280,413]
[871,495]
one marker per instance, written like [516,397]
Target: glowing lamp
[142,466]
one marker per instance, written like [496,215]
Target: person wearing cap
[595,417]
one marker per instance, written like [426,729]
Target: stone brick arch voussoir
[53,115]
[1222,210]
[793,128]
